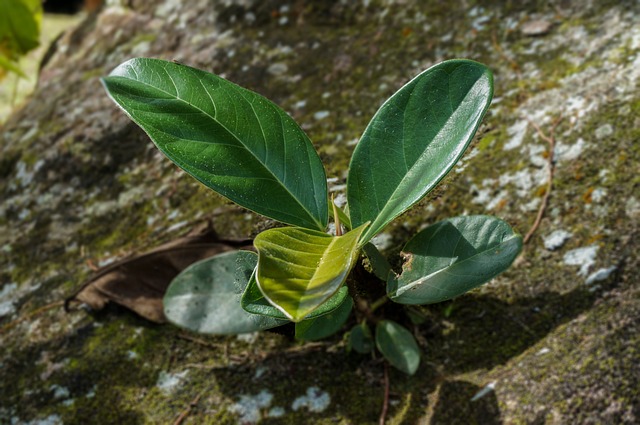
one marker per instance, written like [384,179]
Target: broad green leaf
[452,257]
[205,297]
[398,346]
[414,140]
[254,302]
[360,339]
[299,269]
[324,326]
[19,26]
[229,138]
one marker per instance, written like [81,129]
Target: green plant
[19,32]
[249,150]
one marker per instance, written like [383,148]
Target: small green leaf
[231,139]
[360,339]
[414,140]
[299,269]
[324,326]
[342,216]
[205,297]
[379,264]
[452,257]
[254,302]
[398,346]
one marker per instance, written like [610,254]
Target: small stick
[502,54]
[199,341]
[30,315]
[385,403]
[187,411]
[551,140]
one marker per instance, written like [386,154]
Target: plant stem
[336,217]
[378,303]
[385,401]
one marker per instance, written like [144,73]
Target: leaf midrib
[425,279]
[384,209]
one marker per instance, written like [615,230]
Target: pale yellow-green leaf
[299,269]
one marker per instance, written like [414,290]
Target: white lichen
[382,241]
[584,257]
[168,383]
[600,275]
[249,338]
[49,420]
[276,412]
[320,115]
[484,391]
[249,408]
[315,400]
[556,239]
[516,134]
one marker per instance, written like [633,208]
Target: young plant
[19,32]
[249,150]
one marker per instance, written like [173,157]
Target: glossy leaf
[254,302]
[324,326]
[452,257]
[360,339]
[398,346]
[231,139]
[379,264]
[414,140]
[299,269]
[205,297]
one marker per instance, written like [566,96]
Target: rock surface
[552,341]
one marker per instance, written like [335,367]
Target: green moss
[93,74]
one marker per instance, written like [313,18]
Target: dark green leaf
[379,264]
[414,140]
[231,139]
[205,297]
[324,326]
[398,346]
[360,339]
[452,257]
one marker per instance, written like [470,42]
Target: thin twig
[551,140]
[385,402]
[187,411]
[199,341]
[34,313]
[496,46]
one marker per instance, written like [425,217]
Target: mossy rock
[550,341]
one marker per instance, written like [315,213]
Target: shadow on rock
[461,402]
[480,332]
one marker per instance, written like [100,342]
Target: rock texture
[552,341]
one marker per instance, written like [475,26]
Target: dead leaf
[139,283]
